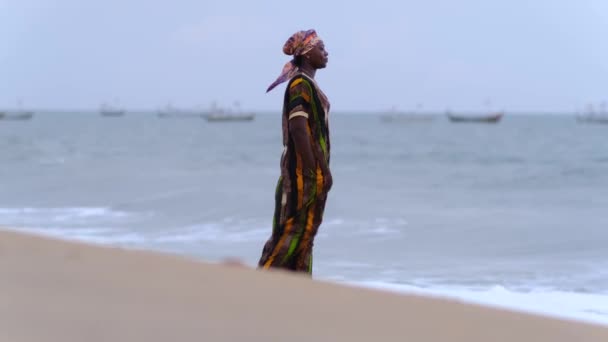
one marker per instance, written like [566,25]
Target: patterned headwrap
[297,45]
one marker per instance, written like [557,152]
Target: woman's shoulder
[301,78]
[299,81]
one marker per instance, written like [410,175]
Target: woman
[305,176]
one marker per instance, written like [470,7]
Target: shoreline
[57,290]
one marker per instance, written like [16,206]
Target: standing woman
[305,176]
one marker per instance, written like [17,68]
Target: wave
[213,232]
[23,216]
[379,227]
[101,225]
[104,226]
[589,307]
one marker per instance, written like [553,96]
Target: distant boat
[171,112]
[590,116]
[217,114]
[16,115]
[406,117]
[393,115]
[489,118]
[601,119]
[108,110]
[212,117]
[166,115]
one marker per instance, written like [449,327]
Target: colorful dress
[299,198]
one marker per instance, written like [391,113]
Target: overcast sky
[520,55]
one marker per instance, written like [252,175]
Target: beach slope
[52,290]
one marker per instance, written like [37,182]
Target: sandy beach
[52,290]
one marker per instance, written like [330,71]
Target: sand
[53,290]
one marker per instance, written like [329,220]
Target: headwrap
[297,45]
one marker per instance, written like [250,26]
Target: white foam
[81,234]
[333,222]
[572,305]
[212,232]
[380,227]
[381,230]
[75,223]
[109,236]
[27,215]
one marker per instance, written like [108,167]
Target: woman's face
[318,56]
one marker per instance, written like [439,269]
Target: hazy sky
[549,55]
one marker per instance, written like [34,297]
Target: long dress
[299,197]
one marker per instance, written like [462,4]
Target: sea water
[513,214]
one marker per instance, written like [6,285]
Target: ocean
[513,214]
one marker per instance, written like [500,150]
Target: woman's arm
[299,114]
[299,111]
[300,132]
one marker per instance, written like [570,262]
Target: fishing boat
[591,116]
[394,116]
[214,117]
[593,119]
[488,118]
[406,117]
[112,111]
[16,115]
[170,111]
[218,114]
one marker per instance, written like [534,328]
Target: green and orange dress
[300,197]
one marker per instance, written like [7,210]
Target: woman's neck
[308,70]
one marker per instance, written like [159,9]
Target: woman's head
[308,51]
[306,47]
[317,57]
